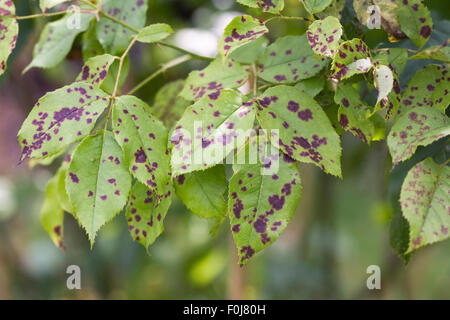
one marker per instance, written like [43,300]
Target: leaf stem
[164,68]
[287,18]
[122,59]
[39,15]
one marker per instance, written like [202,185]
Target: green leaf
[96,69]
[52,215]
[272,6]
[61,193]
[169,106]
[439,53]
[415,21]
[240,31]
[56,40]
[213,79]
[98,182]
[288,60]
[250,52]
[312,86]
[90,45]
[146,213]
[334,9]
[154,33]
[424,202]
[143,139]
[209,130]
[110,81]
[208,186]
[419,126]
[393,57]
[324,35]
[60,118]
[114,37]
[353,113]
[352,57]
[428,87]
[9,30]
[45,5]
[316,6]
[263,197]
[305,132]
[383,81]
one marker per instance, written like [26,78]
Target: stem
[287,18]
[164,68]
[122,58]
[168,45]
[39,15]
[444,164]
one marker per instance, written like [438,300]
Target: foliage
[133,158]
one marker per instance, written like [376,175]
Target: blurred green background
[339,229]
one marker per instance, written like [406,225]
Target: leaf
[305,132]
[145,214]
[312,86]
[9,30]
[96,69]
[110,81]
[388,15]
[169,106]
[208,186]
[424,202]
[114,37]
[271,6]
[250,52]
[61,193]
[288,60]
[428,87]
[393,57]
[52,215]
[57,38]
[209,130]
[154,33]
[263,197]
[418,126]
[143,139]
[213,79]
[415,21]
[98,182]
[316,6]
[90,45]
[439,53]
[383,81]
[240,31]
[60,118]
[353,113]
[334,9]
[45,5]
[352,57]
[324,35]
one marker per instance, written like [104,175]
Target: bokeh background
[339,229]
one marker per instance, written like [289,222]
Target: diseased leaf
[392,57]
[114,37]
[425,203]
[415,21]
[110,81]
[316,6]
[288,60]
[9,30]
[353,113]
[154,33]
[96,69]
[418,126]
[143,139]
[352,57]
[428,87]
[209,130]
[250,52]
[305,132]
[240,31]
[61,193]
[45,5]
[56,40]
[334,9]
[388,15]
[439,53]
[60,118]
[312,86]
[324,35]
[52,215]
[384,81]
[202,191]
[272,6]
[98,182]
[262,198]
[169,106]
[145,213]
[213,79]
[90,45]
